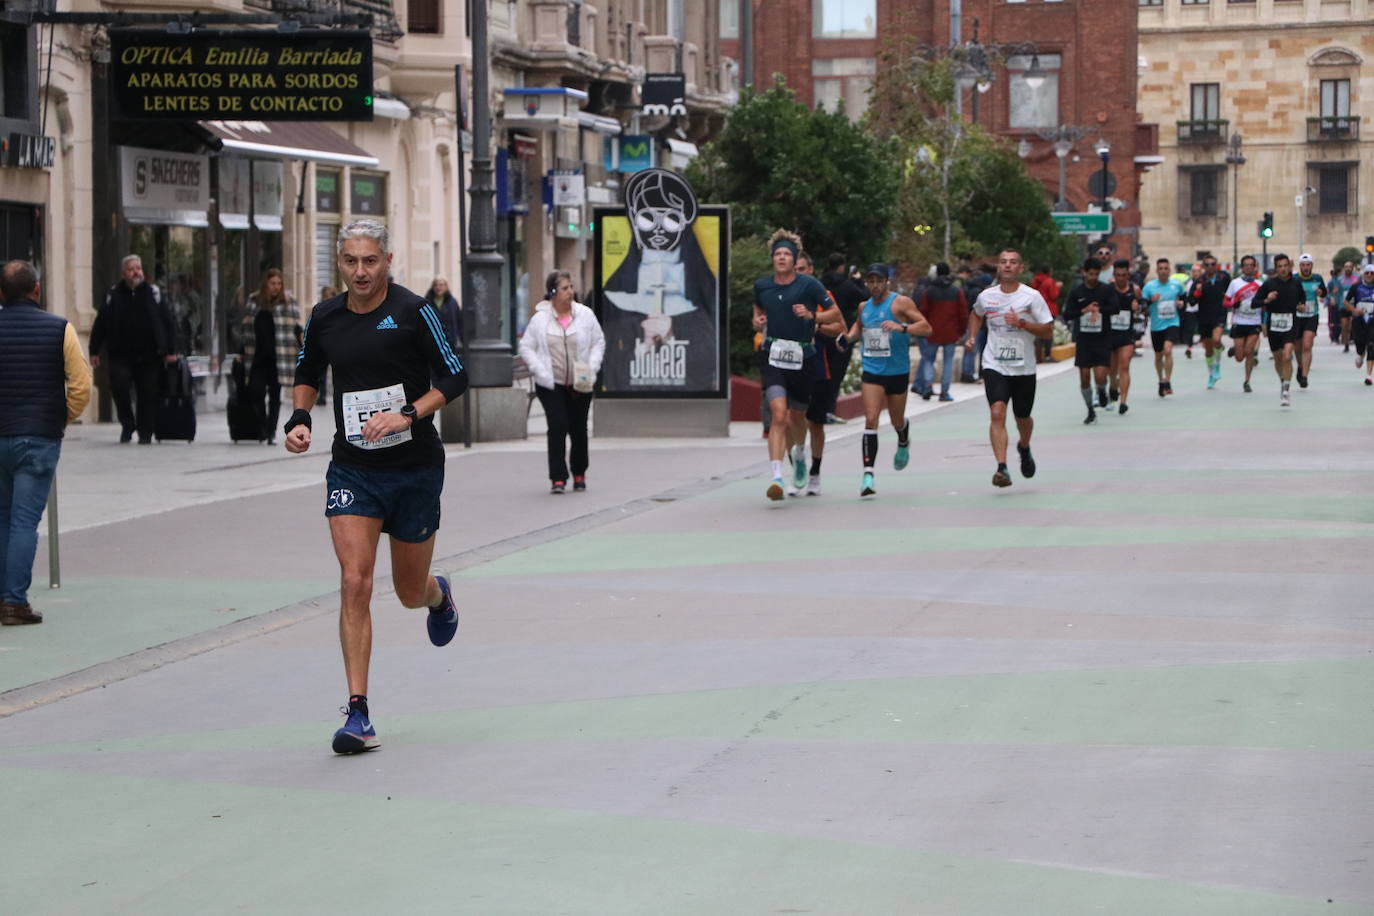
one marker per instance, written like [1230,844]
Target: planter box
[1062,352]
[745,395]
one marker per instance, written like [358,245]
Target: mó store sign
[253,75]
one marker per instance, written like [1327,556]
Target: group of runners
[800,321]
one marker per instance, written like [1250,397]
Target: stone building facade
[1294,80]
[281,190]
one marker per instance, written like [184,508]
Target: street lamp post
[1063,138]
[1104,152]
[1235,159]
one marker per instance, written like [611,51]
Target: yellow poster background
[617,237]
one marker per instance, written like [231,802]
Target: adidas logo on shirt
[387,324]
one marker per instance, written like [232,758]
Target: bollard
[54,549]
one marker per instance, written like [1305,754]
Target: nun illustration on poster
[660,311]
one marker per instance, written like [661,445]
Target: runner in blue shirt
[1359,299]
[1163,294]
[1309,314]
[885,325]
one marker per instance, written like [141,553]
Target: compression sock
[1087,394]
[815,465]
[870,447]
[904,434]
[359,702]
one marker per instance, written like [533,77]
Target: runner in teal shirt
[1164,296]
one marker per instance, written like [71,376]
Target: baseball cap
[1368,269]
[882,270]
[1305,259]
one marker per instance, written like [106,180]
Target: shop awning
[290,140]
[682,152]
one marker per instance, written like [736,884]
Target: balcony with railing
[1333,129]
[1203,133]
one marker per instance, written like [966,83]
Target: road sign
[1083,223]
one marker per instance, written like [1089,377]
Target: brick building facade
[826,50]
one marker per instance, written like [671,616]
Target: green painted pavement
[90,620]
[1282,705]
[126,845]
[598,551]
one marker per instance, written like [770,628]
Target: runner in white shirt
[1015,315]
[1248,317]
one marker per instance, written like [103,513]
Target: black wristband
[299,417]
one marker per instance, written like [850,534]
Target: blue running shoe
[867,489]
[443,620]
[798,468]
[900,457]
[357,734]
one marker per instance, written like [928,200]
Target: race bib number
[1167,309]
[1279,322]
[1307,310]
[1121,321]
[1090,323]
[358,408]
[877,342]
[1010,353]
[785,354]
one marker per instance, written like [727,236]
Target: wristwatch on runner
[408,411]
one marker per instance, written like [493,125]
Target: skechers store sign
[309,75]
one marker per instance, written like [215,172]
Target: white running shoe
[1285,398]
[813,486]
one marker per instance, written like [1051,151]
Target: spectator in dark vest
[44,385]
[449,312]
[136,333]
[944,306]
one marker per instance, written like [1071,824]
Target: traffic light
[1369,244]
[1267,225]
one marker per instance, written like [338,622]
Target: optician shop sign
[308,75]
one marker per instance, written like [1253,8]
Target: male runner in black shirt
[386,475]
[1092,354]
[1280,296]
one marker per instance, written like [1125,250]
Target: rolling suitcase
[176,409]
[243,419]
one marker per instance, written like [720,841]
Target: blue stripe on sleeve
[445,351]
[304,334]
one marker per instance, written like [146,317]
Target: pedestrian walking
[134,333]
[1014,315]
[271,346]
[946,309]
[449,311]
[563,346]
[393,369]
[45,383]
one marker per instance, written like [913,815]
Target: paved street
[1140,683]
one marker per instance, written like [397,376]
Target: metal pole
[955,27]
[490,364]
[746,41]
[54,547]
[1061,179]
[461,107]
[1235,219]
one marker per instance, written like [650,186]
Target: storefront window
[174,259]
[326,271]
[367,195]
[326,190]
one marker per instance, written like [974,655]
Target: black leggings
[266,399]
[566,410]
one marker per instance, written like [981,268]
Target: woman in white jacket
[563,346]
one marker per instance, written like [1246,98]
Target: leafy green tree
[749,260]
[1348,253]
[779,164]
[964,192]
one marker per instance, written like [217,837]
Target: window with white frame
[729,18]
[846,79]
[1335,98]
[844,18]
[1033,106]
